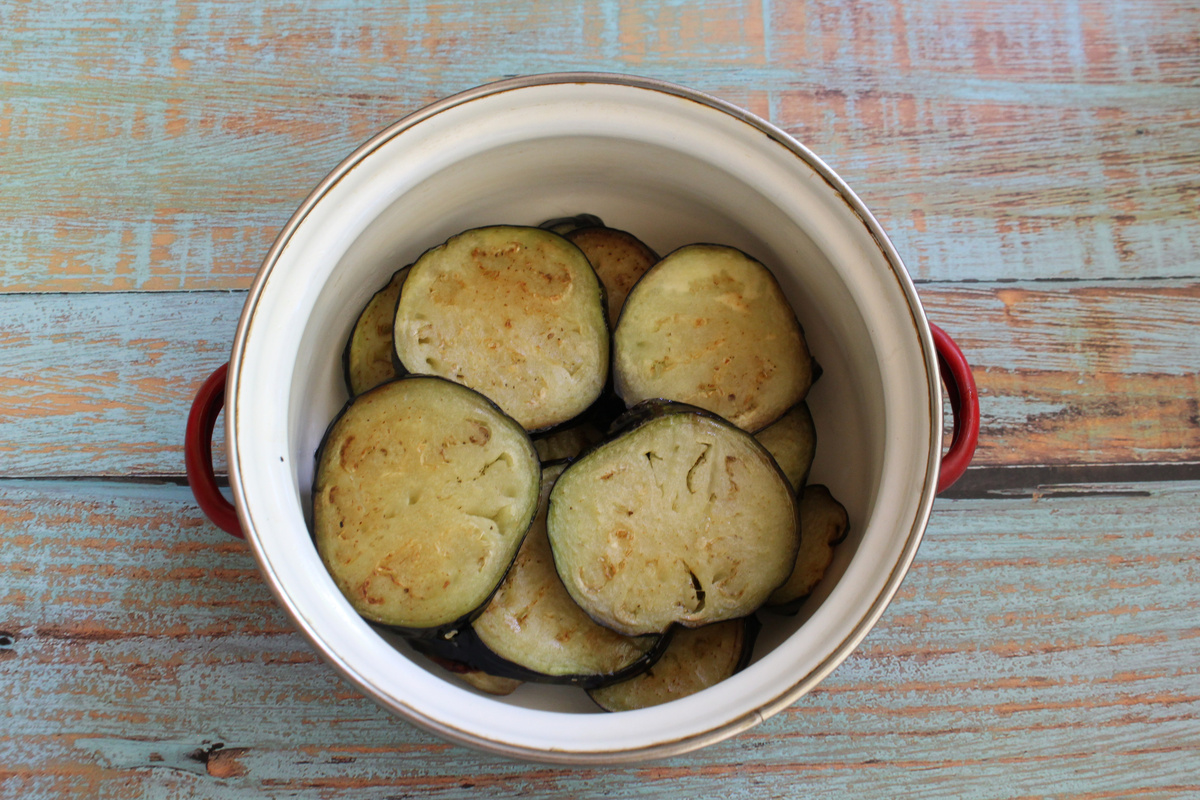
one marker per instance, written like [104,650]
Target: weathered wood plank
[1069,371]
[102,384]
[1076,373]
[1036,165]
[1038,646]
[1016,140]
[162,147]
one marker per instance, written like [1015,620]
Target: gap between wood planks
[977,483]
[1016,482]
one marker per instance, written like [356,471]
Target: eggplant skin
[466,651]
[423,493]
[564,225]
[513,312]
[532,621]
[824,524]
[477,678]
[568,442]
[696,659]
[710,326]
[369,356]
[682,518]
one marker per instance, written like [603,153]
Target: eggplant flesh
[619,258]
[683,518]
[532,621]
[824,524]
[368,359]
[423,493]
[696,659]
[516,314]
[710,326]
[792,440]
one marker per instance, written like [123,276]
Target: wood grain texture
[102,384]
[1073,373]
[1037,166]
[161,148]
[1019,659]
[1080,373]
[1007,140]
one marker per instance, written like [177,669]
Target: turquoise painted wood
[1075,373]
[1036,166]
[1036,648]
[151,146]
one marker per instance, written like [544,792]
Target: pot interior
[672,170]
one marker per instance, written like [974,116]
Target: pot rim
[782,698]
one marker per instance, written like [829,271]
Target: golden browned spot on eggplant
[482,436]
[346,456]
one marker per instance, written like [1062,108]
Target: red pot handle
[197,445]
[197,453]
[964,405]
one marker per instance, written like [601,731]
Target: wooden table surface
[1037,165]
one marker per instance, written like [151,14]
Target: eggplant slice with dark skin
[532,621]
[696,659]
[710,326]
[681,517]
[369,358]
[825,524]
[619,258]
[564,225]
[423,493]
[515,313]
[477,678]
[792,439]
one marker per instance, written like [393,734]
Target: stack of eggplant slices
[566,460]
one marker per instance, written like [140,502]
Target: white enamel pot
[672,166]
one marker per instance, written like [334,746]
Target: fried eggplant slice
[532,621]
[696,659]
[710,326]
[564,225]
[423,493]
[618,257]
[792,439]
[824,523]
[514,313]
[682,518]
[483,681]
[368,359]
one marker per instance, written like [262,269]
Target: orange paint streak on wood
[1127,418]
[656,32]
[1006,708]
[1174,790]
[227,762]
[316,751]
